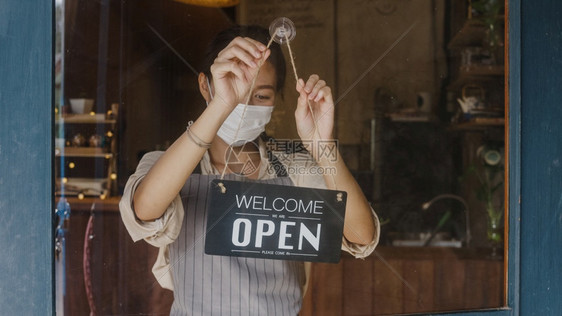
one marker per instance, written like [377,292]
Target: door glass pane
[418,87]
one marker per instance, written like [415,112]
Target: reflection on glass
[419,87]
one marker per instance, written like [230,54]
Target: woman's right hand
[234,69]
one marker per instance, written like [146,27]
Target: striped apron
[217,285]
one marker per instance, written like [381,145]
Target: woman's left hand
[316,93]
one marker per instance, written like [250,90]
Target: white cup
[81,106]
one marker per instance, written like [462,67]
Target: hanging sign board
[271,221]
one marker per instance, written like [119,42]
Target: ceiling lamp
[212,3]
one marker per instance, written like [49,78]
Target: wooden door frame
[26,157]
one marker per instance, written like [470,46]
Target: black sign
[259,220]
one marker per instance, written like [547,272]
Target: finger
[250,73]
[300,86]
[302,108]
[258,44]
[317,88]
[251,46]
[238,53]
[326,93]
[312,80]
[222,69]
[266,55]
[303,95]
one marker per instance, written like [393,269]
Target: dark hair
[258,33]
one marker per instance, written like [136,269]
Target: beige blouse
[164,230]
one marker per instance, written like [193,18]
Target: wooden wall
[393,280]
[120,270]
[392,45]
[359,47]
[118,52]
[406,280]
[144,55]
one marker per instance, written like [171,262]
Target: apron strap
[280,170]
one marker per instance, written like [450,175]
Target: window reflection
[419,86]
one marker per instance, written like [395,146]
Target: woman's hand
[316,93]
[234,69]
[359,224]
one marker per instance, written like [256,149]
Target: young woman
[164,201]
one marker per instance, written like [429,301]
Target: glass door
[419,89]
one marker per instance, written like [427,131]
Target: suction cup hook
[282,30]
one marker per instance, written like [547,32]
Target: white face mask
[252,125]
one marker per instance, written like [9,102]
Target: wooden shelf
[88,171]
[409,117]
[479,123]
[110,204]
[477,74]
[94,152]
[482,70]
[84,119]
